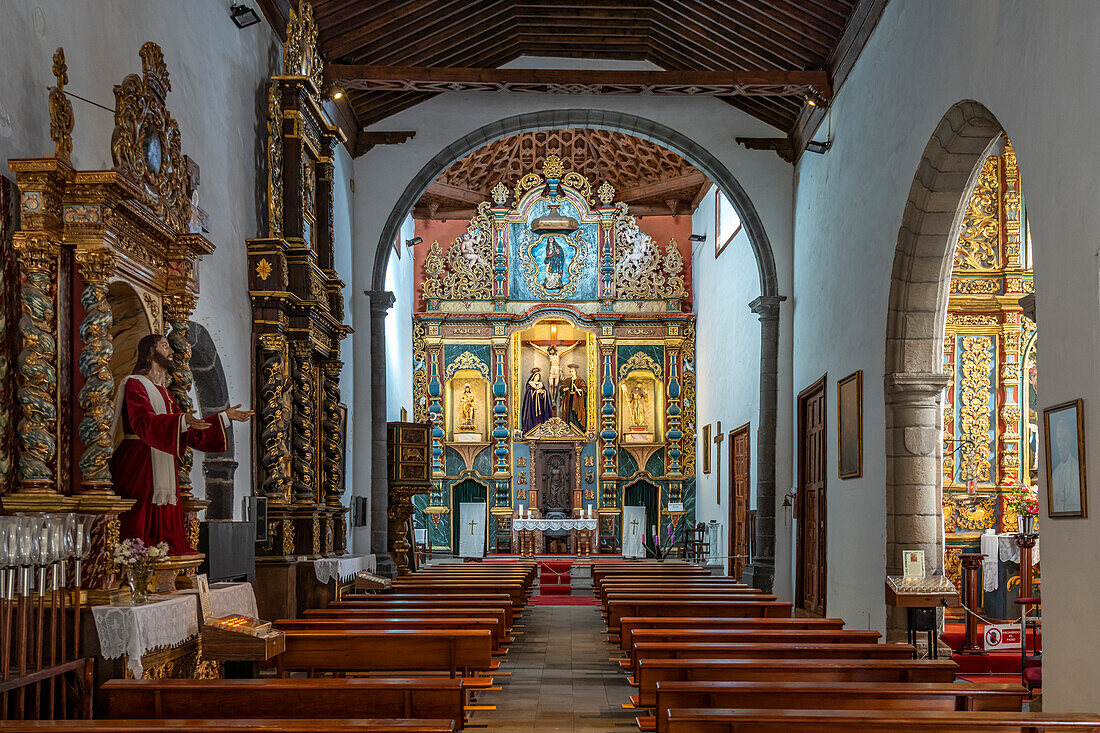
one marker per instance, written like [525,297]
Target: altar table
[584,527]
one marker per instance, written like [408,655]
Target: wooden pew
[683,608]
[760,636]
[627,624]
[404,697]
[515,591]
[229,725]
[451,652]
[831,696]
[653,671]
[753,650]
[722,720]
[352,624]
[381,615]
[428,603]
[687,594]
[666,587]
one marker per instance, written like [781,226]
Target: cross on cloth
[633,526]
[473,523]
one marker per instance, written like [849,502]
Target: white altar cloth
[554,525]
[342,568]
[134,631]
[997,549]
[228,599]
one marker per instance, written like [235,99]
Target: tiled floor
[561,678]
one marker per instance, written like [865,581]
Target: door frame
[733,520]
[800,501]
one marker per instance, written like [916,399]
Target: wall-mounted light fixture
[242,15]
[697,238]
[819,147]
[414,241]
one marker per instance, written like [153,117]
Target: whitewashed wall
[217,73]
[343,236]
[1032,64]
[399,281]
[727,357]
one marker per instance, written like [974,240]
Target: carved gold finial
[553,167]
[154,70]
[606,192]
[61,110]
[300,55]
[499,193]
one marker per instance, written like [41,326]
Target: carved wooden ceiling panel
[642,172]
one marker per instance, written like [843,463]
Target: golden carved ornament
[978,246]
[434,267]
[641,272]
[976,358]
[96,265]
[952,567]
[528,181]
[274,162]
[643,362]
[579,183]
[263,269]
[552,167]
[146,142]
[61,110]
[976,286]
[606,193]
[553,428]
[300,54]
[499,193]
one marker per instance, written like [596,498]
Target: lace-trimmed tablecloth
[342,568]
[553,525]
[227,599]
[134,631]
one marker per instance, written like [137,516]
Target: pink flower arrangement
[1024,501]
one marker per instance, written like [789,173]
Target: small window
[726,222]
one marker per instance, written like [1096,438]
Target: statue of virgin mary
[536,407]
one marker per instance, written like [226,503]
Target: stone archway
[919,290]
[213,396]
[761,571]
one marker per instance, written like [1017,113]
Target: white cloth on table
[633,531]
[1011,551]
[229,599]
[471,517]
[554,525]
[134,631]
[341,568]
[420,536]
[990,565]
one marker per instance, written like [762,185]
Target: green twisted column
[94,431]
[37,364]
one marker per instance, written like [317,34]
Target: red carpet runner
[554,577]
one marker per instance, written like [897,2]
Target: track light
[242,15]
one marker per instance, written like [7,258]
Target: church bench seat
[685,594]
[724,720]
[651,672]
[759,636]
[408,697]
[448,651]
[696,606]
[514,591]
[351,624]
[678,589]
[381,615]
[599,581]
[230,725]
[747,650]
[627,624]
[830,696]
[429,603]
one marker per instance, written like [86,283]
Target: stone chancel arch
[761,571]
[919,290]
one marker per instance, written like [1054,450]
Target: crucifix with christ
[718,464]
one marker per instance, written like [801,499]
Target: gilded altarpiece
[298,324]
[990,421]
[553,357]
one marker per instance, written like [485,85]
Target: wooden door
[555,472]
[739,501]
[811,566]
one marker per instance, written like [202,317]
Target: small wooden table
[920,597]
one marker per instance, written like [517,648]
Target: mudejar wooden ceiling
[770,58]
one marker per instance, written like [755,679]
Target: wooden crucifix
[718,463]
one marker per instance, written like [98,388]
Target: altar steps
[554,577]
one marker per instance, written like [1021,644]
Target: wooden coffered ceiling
[652,179]
[766,57]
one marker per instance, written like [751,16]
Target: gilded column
[37,364]
[675,434]
[304,424]
[178,308]
[274,480]
[94,431]
[608,434]
[333,439]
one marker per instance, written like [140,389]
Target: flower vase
[1025,523]
[138,580]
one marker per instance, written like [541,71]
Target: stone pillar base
[760,574]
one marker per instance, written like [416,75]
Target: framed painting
[706,448]
[1064,452]
[849,408]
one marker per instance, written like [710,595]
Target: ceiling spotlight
[338,94]
[414,241]
[697,238]
[242,15]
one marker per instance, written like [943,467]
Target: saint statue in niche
[639,403]
[467,409]
[555,265]
[536,402]
[574,396]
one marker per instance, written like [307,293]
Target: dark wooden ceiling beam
[273,10]
[360,18]
[797,12]
[376,37]
[456,193]
[663,188]
[702,51]
[447,46]
[776,16]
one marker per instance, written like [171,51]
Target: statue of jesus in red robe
[154,435]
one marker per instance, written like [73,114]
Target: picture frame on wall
[706,448]
[849,408]
[1064,456]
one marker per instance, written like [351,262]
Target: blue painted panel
[532,273]
[653,351]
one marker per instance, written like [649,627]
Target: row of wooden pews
[710,655]
[413,659]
